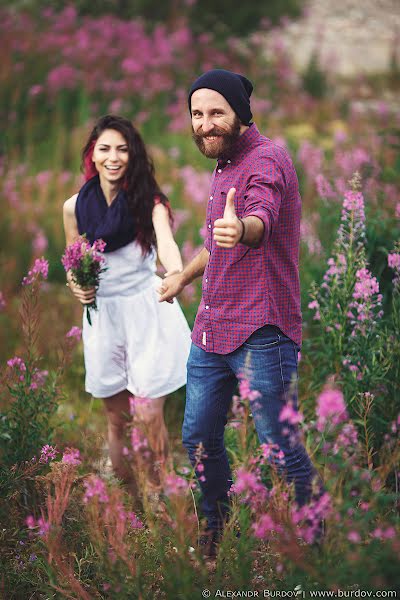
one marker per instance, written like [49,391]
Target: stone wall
[354,36]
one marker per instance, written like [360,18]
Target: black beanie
[235,88]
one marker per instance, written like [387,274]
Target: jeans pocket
[264,337]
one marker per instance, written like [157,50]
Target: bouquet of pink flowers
[86,264]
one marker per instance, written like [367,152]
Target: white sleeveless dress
[135,342]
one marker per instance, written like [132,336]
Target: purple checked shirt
[245,288]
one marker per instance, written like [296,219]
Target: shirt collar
[242,145]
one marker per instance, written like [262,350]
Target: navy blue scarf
[97,220]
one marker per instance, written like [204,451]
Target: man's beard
[223,143]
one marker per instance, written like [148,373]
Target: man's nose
[207,125]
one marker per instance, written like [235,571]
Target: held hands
[85,296]
[228,230]
[171,286]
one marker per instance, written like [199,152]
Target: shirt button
[207,280]
[219,170]
[209,227]
[228,161]
[211,197]
[207,307]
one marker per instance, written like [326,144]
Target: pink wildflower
[289,414]
[272,452]
[44,527]
[308,518]
[249,485]
[336,268]
[311,158]
[184,470]
[314,304]
[354,202]
[138,439]
[246,392]
[47,453]
[195,184]
[324,188]
[71,456]
[43,178]
[2,302]
[354,536]
[35,90]
[347,440]
[389,533]
[95,487]
[17,363]
[134,521]
[238,407]
[63,76]
[366,285]
[331,408]
[175,485]
[394,261]
[137,403]
[38,379]
[264,526]
[75,332]
[73,254]
[30,521]
[246,481]
[40,267]
[99,245]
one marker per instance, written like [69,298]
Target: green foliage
[351,341]
[314,78]
[203,15]
[207,15]
[27,423]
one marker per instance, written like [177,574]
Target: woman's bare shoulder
[69,205]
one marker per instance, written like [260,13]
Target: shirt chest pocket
[220,205]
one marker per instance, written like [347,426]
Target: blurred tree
[314,78]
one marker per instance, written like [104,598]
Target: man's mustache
[213,132]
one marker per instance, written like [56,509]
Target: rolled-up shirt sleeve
[264,193]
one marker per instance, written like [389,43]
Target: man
[249,321]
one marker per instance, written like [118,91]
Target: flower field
[68,529]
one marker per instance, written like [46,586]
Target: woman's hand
[85,296]
[171,286]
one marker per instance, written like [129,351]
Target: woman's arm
[71,234]
[167,249]
[69,219]
[175,282]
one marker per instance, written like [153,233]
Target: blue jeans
[268,359]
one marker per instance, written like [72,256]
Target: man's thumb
[230,210]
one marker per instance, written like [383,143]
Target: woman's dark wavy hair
[139,181]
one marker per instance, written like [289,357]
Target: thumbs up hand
[228,230]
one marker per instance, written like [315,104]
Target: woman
[136,346]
